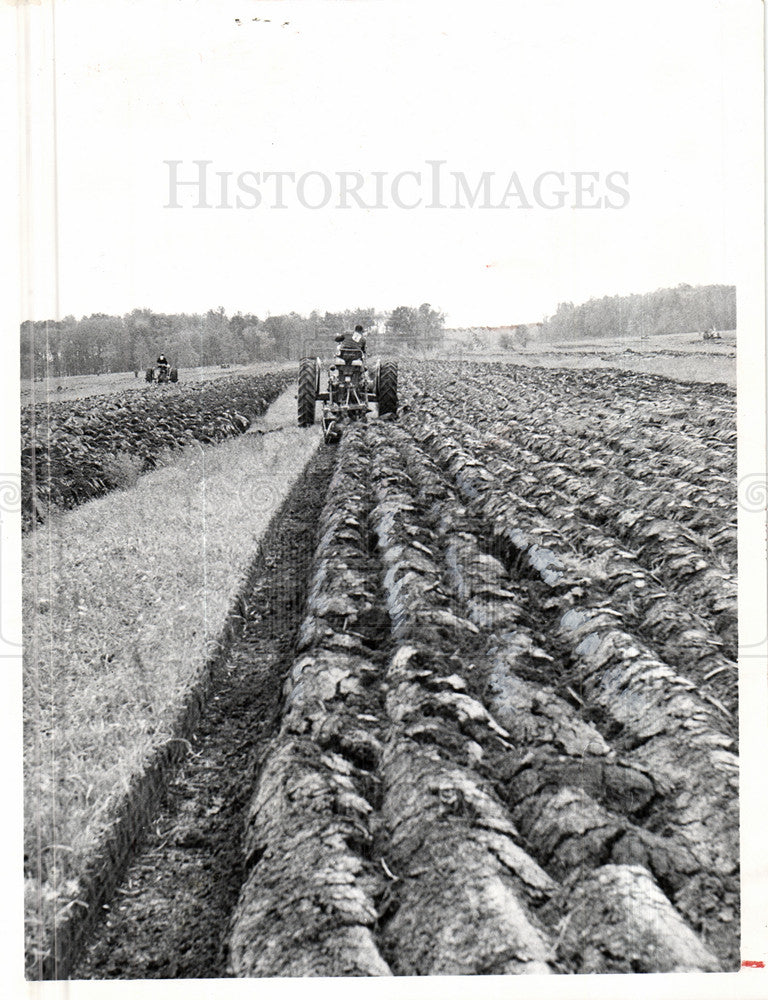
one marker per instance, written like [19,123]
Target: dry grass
[124,599]
[123,469]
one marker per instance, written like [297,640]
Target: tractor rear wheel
[309,380]
[386,388]
[174,375]
[150,376]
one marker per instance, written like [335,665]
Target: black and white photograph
[383,535]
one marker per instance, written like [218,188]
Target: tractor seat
[351,355]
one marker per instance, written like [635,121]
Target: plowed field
[506,734]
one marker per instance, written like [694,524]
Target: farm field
[69,387]
[689,343]
[683,356]
[481,715]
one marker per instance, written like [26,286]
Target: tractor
[351,387]
[162,374]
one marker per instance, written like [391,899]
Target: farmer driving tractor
[351,386]
[162,373]
[351,345]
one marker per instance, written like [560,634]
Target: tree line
[102,343]
[684,309]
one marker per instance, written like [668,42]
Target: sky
[652,94]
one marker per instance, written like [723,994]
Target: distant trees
[517,336]
[682,309]
[402,321]
[101,343]
[416,326]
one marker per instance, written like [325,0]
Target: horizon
[378,312]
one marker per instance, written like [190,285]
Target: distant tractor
[162,374]
[350,389]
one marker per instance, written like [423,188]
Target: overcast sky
[649,90]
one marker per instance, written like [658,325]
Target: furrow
[679,556]
[556,545]
[553,762]
[659,421]
[308,905]
[666,730]
[464,894]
